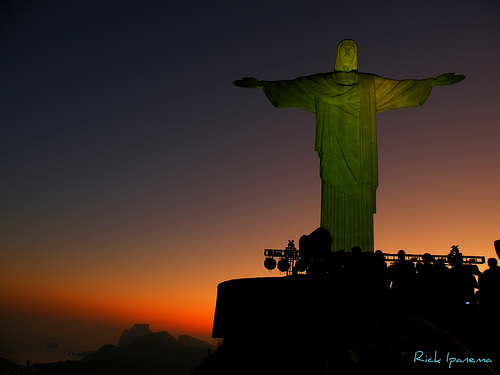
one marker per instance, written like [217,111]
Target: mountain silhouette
[197,343]
[136,331]
[150,354]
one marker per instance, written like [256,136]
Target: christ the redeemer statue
[345,103]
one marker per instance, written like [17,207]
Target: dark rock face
[196,343]
[155,353]
[136,331]
[139,352]
[151,354]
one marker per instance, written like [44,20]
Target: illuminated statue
[345,103]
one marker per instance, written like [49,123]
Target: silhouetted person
[462,285]
[402,274]
[354,273]
[489,289]
[356,252]
[489,308]
[378,284]
[337,270]
[315,250]
[380,272]
[441,286]
[339,261]
[427,292]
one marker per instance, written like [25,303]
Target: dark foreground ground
[310,326]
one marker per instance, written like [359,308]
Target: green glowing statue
[345,103]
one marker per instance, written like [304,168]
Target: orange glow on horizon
[178,316]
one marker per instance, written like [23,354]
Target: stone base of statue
[288,324]
[307,324]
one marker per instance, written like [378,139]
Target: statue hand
[447,79]
[249,83]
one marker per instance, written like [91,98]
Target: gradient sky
[136,177]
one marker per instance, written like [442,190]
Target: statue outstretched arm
[447,79]
[284,93]
[249,83]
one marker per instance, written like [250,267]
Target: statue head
[346,58]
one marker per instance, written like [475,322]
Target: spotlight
[301,265]
[270,264]
[283,265]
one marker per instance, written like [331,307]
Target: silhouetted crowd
[431,287]
[374,292]
[374,295]
[356,312]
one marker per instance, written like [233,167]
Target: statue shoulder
[369,76]
[316,77]
[322,75]
[321,79]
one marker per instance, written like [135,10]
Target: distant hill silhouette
[197,343]
[136,331]
[155,353]
[150,354]
[84,354]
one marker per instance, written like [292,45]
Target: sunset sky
[136,176]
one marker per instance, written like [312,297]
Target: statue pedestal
[287,323]
[271,307]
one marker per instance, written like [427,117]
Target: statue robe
[345,105]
